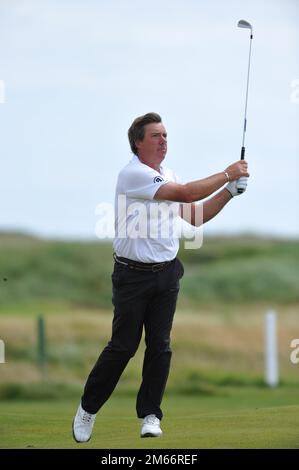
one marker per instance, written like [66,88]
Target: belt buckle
[118,261]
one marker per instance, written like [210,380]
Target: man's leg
[129,299]
[158,323]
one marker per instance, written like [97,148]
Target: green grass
[238,418]
[215,392]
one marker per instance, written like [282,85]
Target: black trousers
[140,299]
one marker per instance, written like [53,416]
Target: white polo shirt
[144,227]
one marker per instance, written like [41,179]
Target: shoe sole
[79,442]
[148,434]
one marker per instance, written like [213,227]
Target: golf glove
[237,187]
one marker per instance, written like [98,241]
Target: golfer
[147,271]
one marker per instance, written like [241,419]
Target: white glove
[237,187]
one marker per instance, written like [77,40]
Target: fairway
[238,418]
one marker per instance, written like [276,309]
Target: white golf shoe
[82,425]
[151,427]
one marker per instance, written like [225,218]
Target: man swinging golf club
[147,272]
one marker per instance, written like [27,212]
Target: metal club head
[244,24]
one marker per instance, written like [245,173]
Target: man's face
[153,147]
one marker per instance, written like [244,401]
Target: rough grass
[235,269]
[211,348]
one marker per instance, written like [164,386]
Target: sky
[75,74]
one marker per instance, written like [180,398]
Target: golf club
[245,24]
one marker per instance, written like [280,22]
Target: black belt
[153,267]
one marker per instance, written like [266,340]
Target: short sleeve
[144,182]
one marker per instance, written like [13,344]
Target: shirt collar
[136,159]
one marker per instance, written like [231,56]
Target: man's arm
[200,189]
[197,215]
[200,214]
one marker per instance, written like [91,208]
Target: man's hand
[236,170]
[237,187]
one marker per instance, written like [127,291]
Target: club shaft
[246,101]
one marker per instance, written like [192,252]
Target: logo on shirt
[158,179]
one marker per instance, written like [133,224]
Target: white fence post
[271,354]
[2,351]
